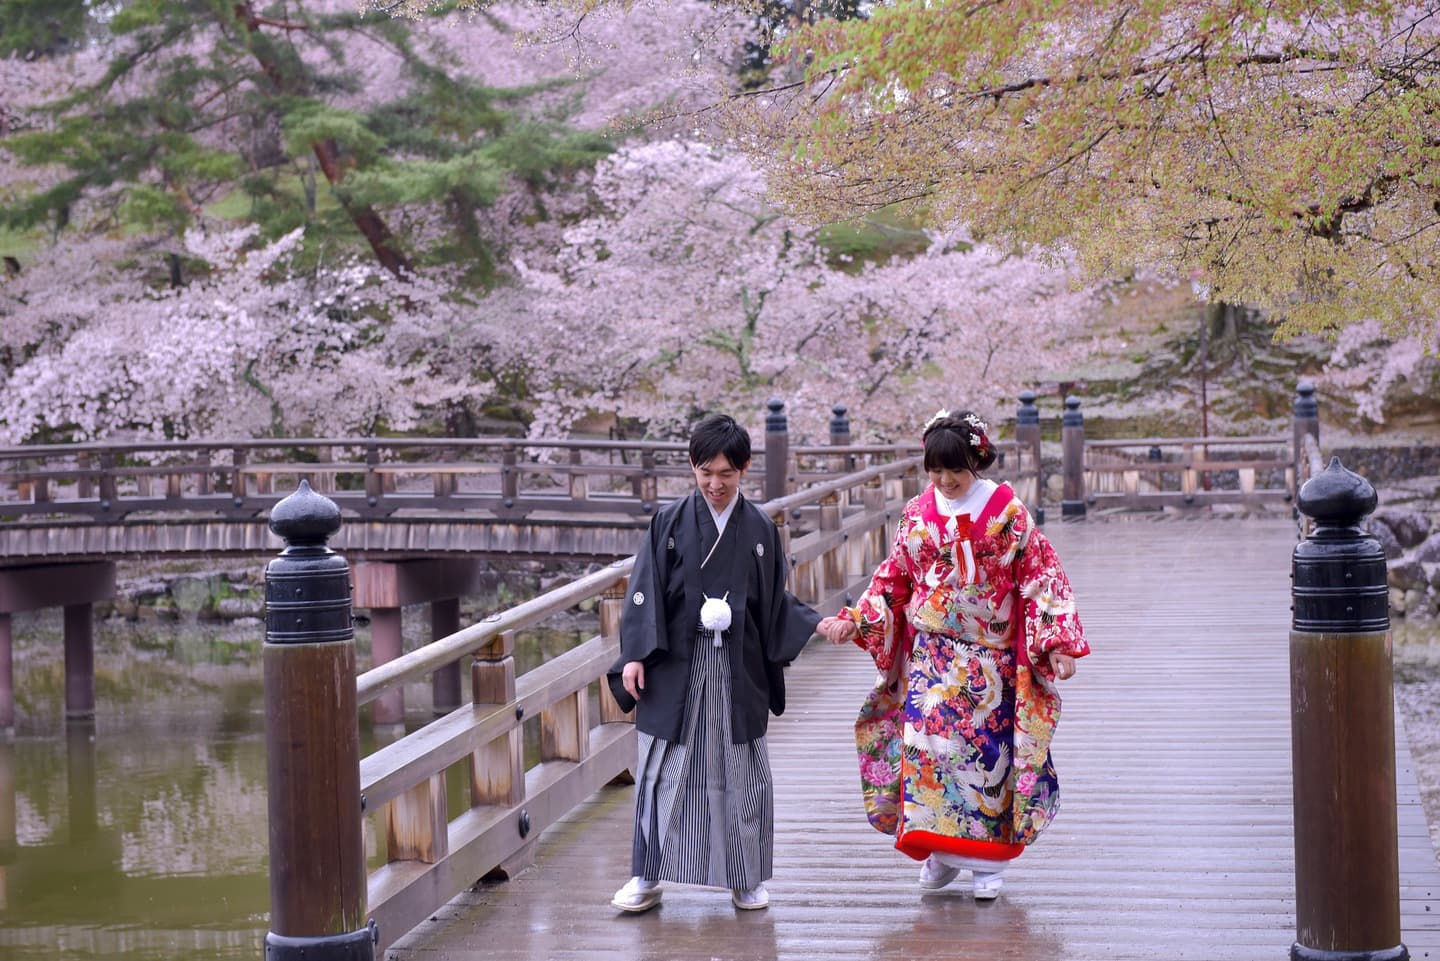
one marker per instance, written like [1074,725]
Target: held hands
[838,630]
[633,677]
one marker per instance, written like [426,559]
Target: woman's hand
[633,677]
[1063,665]
[838,630]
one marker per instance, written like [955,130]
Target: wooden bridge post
[1027,443]
[1342,724]
[612,604]
[79,661]
[7,674]
[312,743]
[497,769]
[1306,423]
[777,450]
[1072,450]
[9,844]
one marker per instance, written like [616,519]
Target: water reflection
[142,836]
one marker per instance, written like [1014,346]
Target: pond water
[142,836]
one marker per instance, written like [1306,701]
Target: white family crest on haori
[759,550]
[715,616]
[638,597]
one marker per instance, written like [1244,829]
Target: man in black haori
[705,633]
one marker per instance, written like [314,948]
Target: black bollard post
[1342,726]
[777,450]
[1072,459]
[840,437]
[312,743]
[1027,443]
[1305,422]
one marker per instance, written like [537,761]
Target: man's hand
[633,676]
[838,630]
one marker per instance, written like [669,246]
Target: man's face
[718,480]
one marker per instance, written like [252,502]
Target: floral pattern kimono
[963,614]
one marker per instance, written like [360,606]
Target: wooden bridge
[1174,839]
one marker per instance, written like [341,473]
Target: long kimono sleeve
[643,633]
[1050,621]
[880,612]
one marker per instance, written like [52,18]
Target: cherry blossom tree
[1277,150]
[250,347]
[685,290]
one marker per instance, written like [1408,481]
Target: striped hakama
[704,811]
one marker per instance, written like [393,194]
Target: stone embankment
[1407,522]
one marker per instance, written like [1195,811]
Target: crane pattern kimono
[962,614]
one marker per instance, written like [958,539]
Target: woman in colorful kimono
[704,636]
[970,621]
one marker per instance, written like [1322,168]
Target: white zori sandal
[637,895]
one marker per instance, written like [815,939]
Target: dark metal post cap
[775,422]
[1027,413]
[1305,403]
[305,518]
[1072,416]
[1337,496]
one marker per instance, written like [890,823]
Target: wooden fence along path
[1174,839]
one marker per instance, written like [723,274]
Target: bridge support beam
[75,587]
[445,683]
[384,588]
[7,674]
[1342,724]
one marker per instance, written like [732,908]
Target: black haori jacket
[769,627]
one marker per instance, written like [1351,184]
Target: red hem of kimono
[920,844]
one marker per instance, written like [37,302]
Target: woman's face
[718,480]
[954,484]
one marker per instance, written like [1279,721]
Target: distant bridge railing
[432,853]
[1184,473]
[374,478]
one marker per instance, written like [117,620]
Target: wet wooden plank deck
[1174,838]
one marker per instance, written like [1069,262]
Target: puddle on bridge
[142,836]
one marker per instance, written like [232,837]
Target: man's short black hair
[719,434]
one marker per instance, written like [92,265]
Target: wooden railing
[373,478]
[431,854]
[1182,473]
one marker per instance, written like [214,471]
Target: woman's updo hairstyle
[957,440]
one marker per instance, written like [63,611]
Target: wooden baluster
[238,458]
[1187,474]
[565,728]
[497,770]
[579,484]
[86,490]
[612,603]
[830,575]
[876,543]
[374,486]
[416,823]
[649,486]
[203,482]
[107,484]
[509,477]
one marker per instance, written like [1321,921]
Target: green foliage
[41,28]
[130,148]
